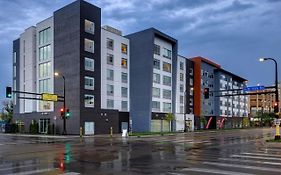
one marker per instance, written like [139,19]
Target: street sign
[49,97]
[254,88]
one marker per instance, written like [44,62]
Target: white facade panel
[27,69]
[117,68]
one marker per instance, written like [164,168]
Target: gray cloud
[233,33]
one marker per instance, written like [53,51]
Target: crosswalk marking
[250,161]
[242,166]
[11,168]
[255,157]
[214,171]
[34,171]
[262,154]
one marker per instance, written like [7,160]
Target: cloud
[233,33]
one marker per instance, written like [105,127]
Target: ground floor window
[44,125]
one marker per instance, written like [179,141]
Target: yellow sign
[49,97]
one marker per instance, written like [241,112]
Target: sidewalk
[59,136]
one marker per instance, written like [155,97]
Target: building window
[181,87]
[181,99]
[167,67]
[124,63]
[191,82]
[167,107]
[124,48]
[167,80]
[124,105]
[156,105]
[181,110]
[89,45]
[181,65]
[110,74]
[89,26]
[190,71]
[45,85]
[156,64]
[110,90]
[14,71]
[156,49]
[44,36]
[15,57]
[156,92]
[124,77]
[181,76]
[110,104]
[156,78]
[167,53]
[110,43]
[89,101]
[89,64]
[44,53]
[89,83]
[44,70]
[124,91]
[167,94]
[110,59]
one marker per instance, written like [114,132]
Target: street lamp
[64,118]
[277,134]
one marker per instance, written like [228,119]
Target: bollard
[81,131]
[111,131]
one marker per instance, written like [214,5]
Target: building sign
[49,97]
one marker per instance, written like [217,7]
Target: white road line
[255,157]
[242,166]
[34,171]
[262,154]
[250,161]
[214,171]
[16,167]
[70,173]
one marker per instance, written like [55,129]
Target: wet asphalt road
[231,152]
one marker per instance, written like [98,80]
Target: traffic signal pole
[64,117]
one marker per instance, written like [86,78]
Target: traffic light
[8,92]
[67,114]
[206,93]
[62,112]
[276,110]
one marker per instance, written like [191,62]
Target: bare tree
[7,110]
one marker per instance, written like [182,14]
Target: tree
[203,121]
[169,117]
[7,111]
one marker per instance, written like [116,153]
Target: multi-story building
[263,103]
[153,78]
[219,111]
[94,62]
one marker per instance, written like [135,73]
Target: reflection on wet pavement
[234,152]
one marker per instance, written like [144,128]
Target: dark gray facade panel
[141,74]
[67,61]
[189,65]
[16,48]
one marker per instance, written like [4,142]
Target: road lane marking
[250,161]
[262,154]
[242,166]
[34,171]
[70,173]
[255,157]
[214,171]
[16,167]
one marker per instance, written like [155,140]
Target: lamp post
[64,119]
[277,134]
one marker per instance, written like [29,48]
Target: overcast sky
[232,33]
